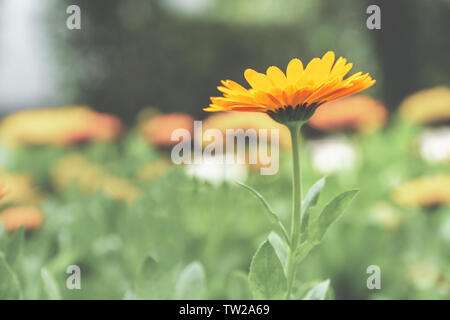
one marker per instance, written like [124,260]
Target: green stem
[296,205]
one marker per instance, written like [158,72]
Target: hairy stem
[296,205]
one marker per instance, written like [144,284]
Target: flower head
[332,155]
[427,191]
[58,126]
[158,129]
[434,145]
[361,113]
[3,190]
[425,275]
[427,106]
[293,96]
[27,216]
[386,216]
[246,120]
[18,188]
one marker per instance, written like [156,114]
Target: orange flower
[58,126]
[361,113]
[294,96]
[245,121]
[158,129]
[99,126]
[26,216]
[19,188]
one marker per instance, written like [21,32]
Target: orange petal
[276,76]
[257,80]
[294,70]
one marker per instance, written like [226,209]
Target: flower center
[299,113]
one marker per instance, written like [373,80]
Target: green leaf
[311,199]
[9,283]
[281,248]
[50,285]
[304,248]
[237,286]
[318,228]
[191,283]
[318,292]
[145,288]
[15,244]
[313,195]
[273,217]
[330,214]
[152,282]
[267,279]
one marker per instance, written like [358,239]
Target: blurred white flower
[424,275]
[216,171]
[330,155]
[435,144]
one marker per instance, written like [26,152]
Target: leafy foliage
[267,278]
[141,250]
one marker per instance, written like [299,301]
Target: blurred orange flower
[427,191]
[158,129]
[245,121]
[27,216]
[361,113]
[18,188]
[293,96]
[427,106]
[58,126]
[90,177]
[3,190]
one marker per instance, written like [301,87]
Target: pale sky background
[27,76]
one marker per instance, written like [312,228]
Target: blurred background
[172,53]
[85,170]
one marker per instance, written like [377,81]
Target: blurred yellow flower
[427,106]
[158,129]
[27,216]
[386,216]
[293,96]
[245,121]
[58,126]
[91,178]
[153,170]
[18,188]
[3,190]
[425,191]
[361,113]
[121,189]
[425,275]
